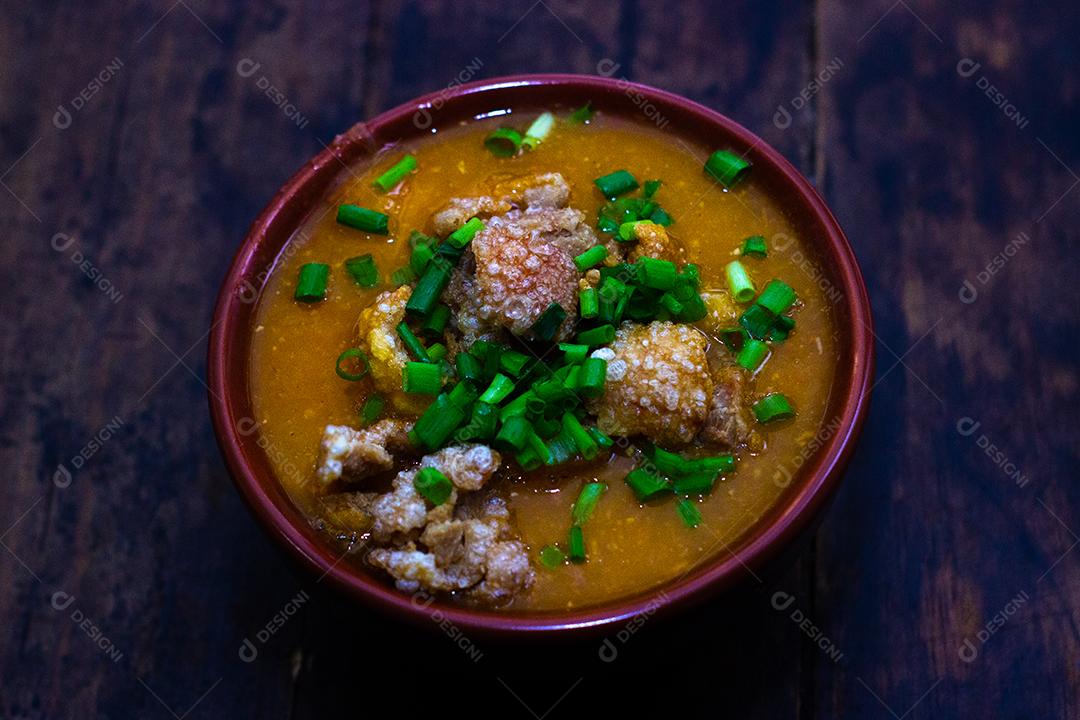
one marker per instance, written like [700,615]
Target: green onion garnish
[597,336]
[433,485]
[549,322]
[364,219]
[627,232]
[587,501]
[657,274]
[777,297]
[469,367]
[412,343]
[752,354]
[464,234]
[592,377]
[500,387]
[362,270]
[551,556]
[727,167]
[583,441]
[435,324]
[574,353]
[513,362]
[402,276]
[645,484]
[755,246]
[696,484]
[673,306]
[394,175]
[311,285]
[734,338]
[589,303]
[539,130]
[688,512]
[361,361]
[435,426]
[426,293]
[590,258]
[783,327]
[757,321]
[601,438]
[739,282]
[421,255]
[481,426]
[436,352]
[504,142]
[514,433]
[423,378]
[372,409]
[615,184]
[773,406]
[576,544]
[582,114]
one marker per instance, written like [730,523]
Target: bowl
[808,488]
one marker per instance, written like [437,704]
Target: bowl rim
[820,474]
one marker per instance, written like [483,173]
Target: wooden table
[139,142]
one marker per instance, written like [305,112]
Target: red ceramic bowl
[809,487]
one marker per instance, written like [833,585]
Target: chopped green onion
[645,484]
[412,343]
[426,293]
[421,255]
[311,285]
[549,322]
[438,422]
[752,354]
[514,433]
[497,391]
[433,485]
[551,556]
[468,367]
[589,303]
[562,448]
[689,512]
[372,409]
[695,484]
[590,258]
[464,234]
[528,459]
[517,406]
[716,465]
[657,274]
[597,336]
[592,377]
[361,360]
[773,406]
[574,353]
[601,438]
[667,462]
[504,142]
[436,351]
[540,448]
[628,230]
[777,297]
[783,327]
[734,338]
[582,114]
[669,303]
[755,246]
[371,221]
[727,167]
[482,424]
[402,276]
[690,275]
[584,442]
[436,322]
[757,321]
[739,282]
[650,188]
[394,175]
[539,130]
[661,217]
[576,544]
[463,395]
[418,238]
[362,270]
[615,184]
[587,501]
[513,362]
[423,378]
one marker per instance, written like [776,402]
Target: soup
[523,375]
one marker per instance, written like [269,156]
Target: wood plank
[931,540]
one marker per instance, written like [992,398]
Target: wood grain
[124,216]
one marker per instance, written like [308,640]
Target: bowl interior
[829,259]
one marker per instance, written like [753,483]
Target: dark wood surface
[943,582]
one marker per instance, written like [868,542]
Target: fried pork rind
[654,241]
[548,190]
[722,312]
[467,547]
[351,455]
[377,331]
[728,424]
[658,383]
[525,262]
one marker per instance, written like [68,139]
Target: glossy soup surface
[631,548]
